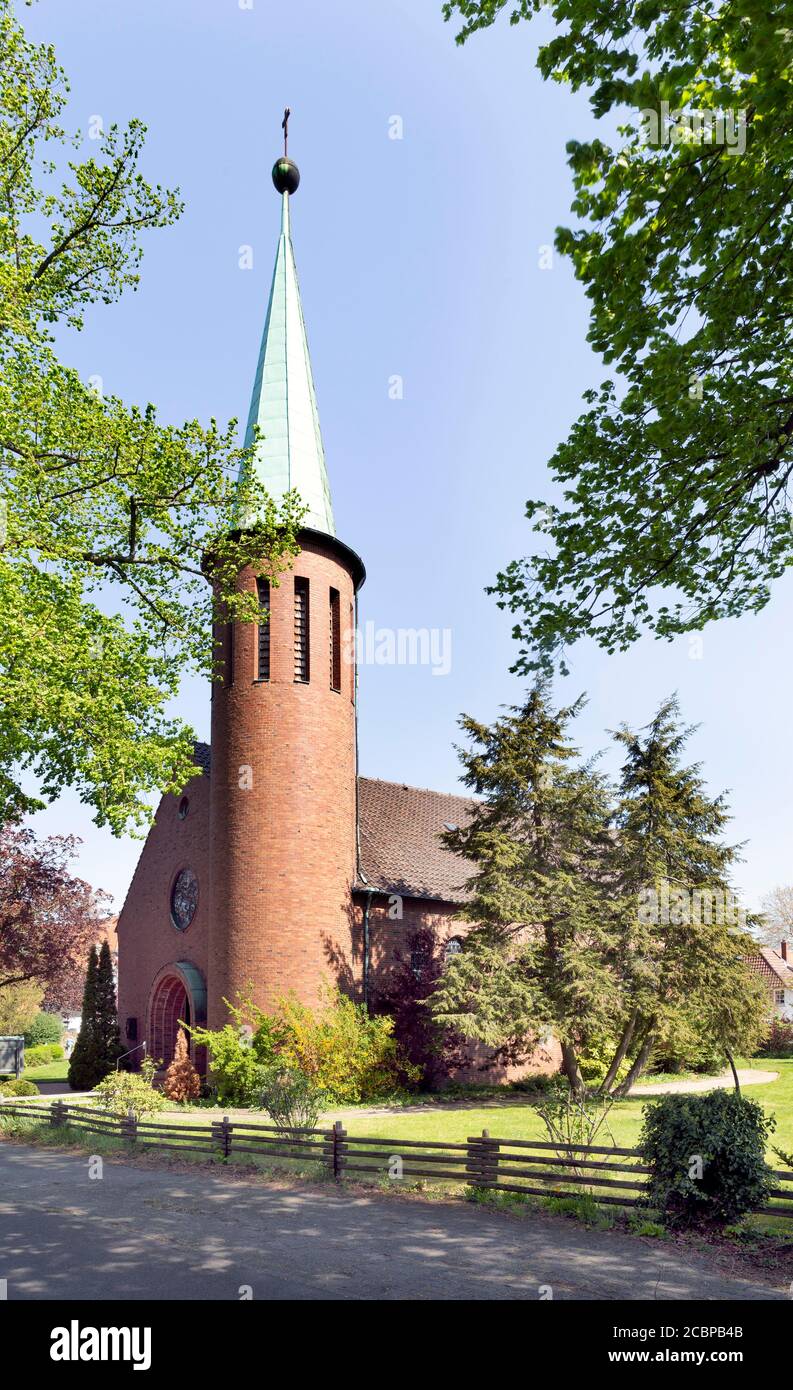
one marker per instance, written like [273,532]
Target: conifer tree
[545,951]
[182,1081]
[98,1045]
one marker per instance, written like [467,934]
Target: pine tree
[182,1081]
[98,1044]
[545,950]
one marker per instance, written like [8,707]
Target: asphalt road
[156,1233]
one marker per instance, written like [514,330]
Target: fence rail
[531,1167]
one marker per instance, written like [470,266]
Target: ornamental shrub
[706,1155]
[291,1099]
[182,1082]
[779,1042]
[45,1028]
[347,1053]
[20,1087]
[44,1054]
[122,1091]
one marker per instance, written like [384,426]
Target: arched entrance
[178,996]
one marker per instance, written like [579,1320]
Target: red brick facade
[287,845]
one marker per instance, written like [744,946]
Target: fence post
[58,1113]
[482,1160]
[339,1136]
[221,1136]
[129,1127]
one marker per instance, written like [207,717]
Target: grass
[51,1071]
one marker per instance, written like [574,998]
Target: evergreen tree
[545,951]
[98,1045]
[685,970]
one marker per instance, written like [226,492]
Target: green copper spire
[283,403]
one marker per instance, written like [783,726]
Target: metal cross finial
[285,127]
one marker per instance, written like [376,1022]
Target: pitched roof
[399,827]
[771,966]
[400,846]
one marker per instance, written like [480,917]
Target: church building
[280,866]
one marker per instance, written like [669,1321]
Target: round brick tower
[283,770]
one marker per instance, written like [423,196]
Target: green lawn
[53,1071]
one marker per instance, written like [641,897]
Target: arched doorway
[169,1006]
[178,995]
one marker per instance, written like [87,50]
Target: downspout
[358,868]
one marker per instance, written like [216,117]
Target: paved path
[725,1082]
[161,1234]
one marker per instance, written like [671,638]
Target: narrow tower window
[263,649]
[229,672]
[335,640]
[301,630]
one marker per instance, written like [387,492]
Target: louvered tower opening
[302,671]
[335,640]
[263,647]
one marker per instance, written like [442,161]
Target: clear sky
[419,257]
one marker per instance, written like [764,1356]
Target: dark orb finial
[286,175]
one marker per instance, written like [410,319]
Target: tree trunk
[571,1069]
[639,1062]
[616,1063]
[734,1073]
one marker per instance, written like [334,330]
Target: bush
[44,1054]
[45,1028]
[346,1052]
[240,1052]
[18,1088]
[779,1042]
[720,1134]
[291,1099]
[125,1091]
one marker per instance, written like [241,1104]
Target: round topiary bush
[706,1155]
[18,1087]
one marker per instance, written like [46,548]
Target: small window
[335,640]
[302,671]
[420,956]
[229,672]
[263,648]
[452,948]
[184,808]
[779,996]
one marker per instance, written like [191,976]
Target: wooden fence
[612,1176]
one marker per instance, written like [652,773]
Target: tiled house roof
[399,828]
[770,965]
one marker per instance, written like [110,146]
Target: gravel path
[707,1083]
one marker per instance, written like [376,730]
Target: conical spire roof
[283,403]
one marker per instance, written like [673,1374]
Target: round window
[184,899]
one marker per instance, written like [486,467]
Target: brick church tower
[282,813]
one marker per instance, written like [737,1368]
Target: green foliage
[19,1004]
[98,1044]
[18,1087]
[45,1028]
[108,513]
[724,1132]
[344,1053]
[123,1091]
[569,885]
[291,1099]
[778,1041]
[582,1207]
[42,1055]
[685,252]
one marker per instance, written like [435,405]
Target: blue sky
[419,258]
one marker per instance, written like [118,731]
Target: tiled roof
[400,846]
[400,826]
[771,966]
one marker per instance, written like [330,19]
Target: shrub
[45,1028]
[240,1051]
[19,1087]
[779,1042]
[722,1135]
[125,1091]
[291,1099]
[346,1052]
[182,1081]
[42,1055]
